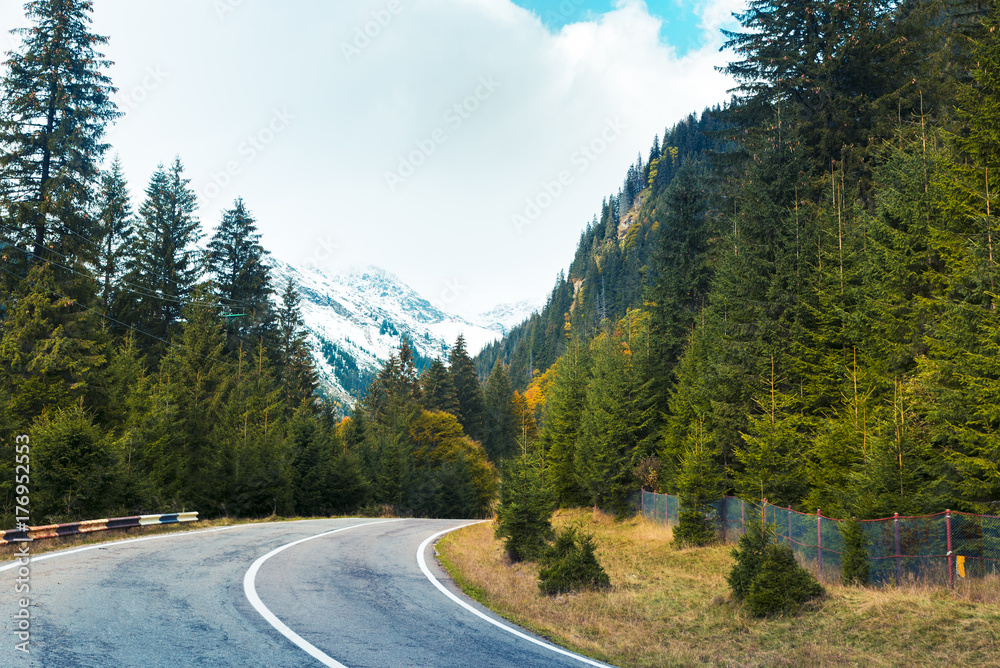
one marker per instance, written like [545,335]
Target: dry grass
[672,607]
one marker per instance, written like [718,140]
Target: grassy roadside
[672,607]
[7,550]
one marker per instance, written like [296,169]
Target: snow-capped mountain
[358,318]
[505,317]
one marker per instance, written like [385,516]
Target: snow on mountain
[505,317]
[358,318]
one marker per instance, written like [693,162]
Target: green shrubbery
[570,564]
[766,577]
[524,516]
[699,484]
[854,560]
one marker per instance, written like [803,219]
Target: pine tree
[468,390]
[164,265]
[561,429]
[437,389]
[614,429]
[55,106]
[236,260]
[499,434]
[296,369]
[194,383]
[53,350]
[114,234]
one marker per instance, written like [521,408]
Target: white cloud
[354,118]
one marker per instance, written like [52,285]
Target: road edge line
[444,590]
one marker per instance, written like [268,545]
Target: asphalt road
[346,595]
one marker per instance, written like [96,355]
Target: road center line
[509,629]
[250,589]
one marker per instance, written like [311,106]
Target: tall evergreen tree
[296,368]
[467,388]
[55,106]
[236,261]
[438,390]
[614,429]
[114,233]
[165,264]
[499,429]
[561,429]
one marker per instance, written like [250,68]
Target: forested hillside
[794,296]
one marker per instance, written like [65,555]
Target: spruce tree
[438,390]
[499,433]
[164,266]
[296,369]
[114,234]
[614,429]
[54,110]
[561,428]
[237,262]
[194,383]
[467,388]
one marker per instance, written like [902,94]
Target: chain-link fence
[932,548]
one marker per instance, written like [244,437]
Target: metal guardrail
[90,526]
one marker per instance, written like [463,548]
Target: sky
[463,145]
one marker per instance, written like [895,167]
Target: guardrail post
[951,568]
[819,541]
[899,558]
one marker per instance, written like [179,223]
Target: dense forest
[791,297]
[154,370]
[794,295]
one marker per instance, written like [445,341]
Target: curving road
[343,592]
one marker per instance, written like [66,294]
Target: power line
[138,290]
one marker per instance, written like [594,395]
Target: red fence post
[743,515]
[819,541]
[899,560]
[951,569]
[666,510]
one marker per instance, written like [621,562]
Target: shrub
[570,564]
[698,485]
[694,529]
[749,555]
[524,517]
[854,560]
[781,585]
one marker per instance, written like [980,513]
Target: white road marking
[430,576]
[251,593]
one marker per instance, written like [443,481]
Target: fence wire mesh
[934,548]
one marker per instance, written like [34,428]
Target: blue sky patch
[680,23]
